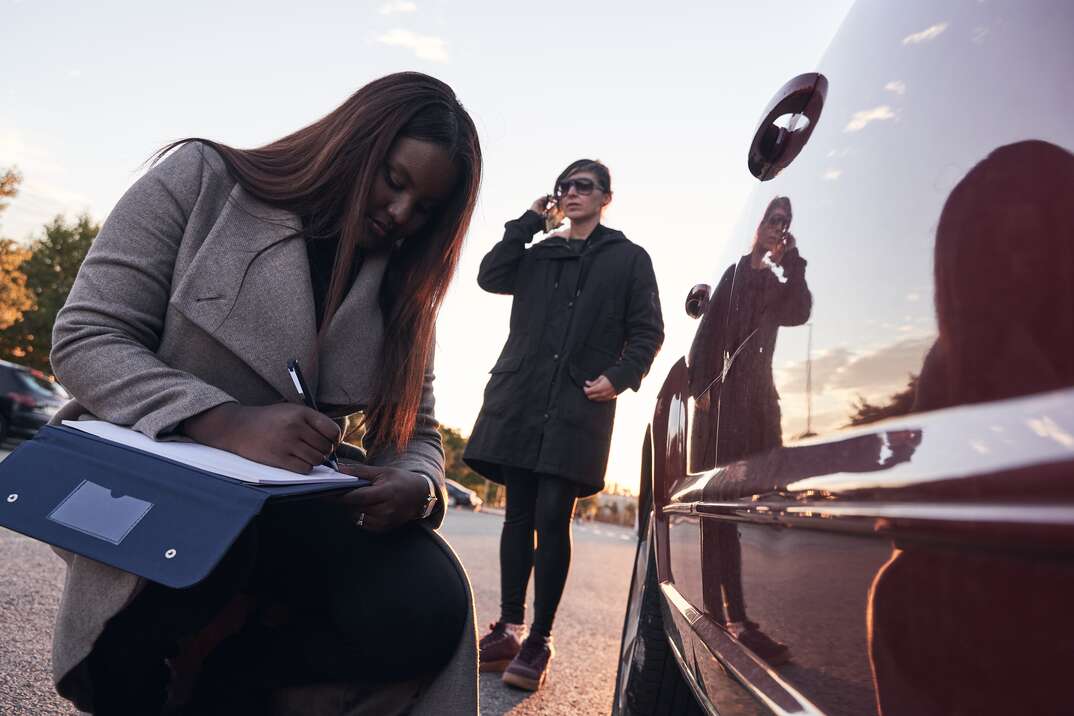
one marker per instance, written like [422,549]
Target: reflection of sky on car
[876,174]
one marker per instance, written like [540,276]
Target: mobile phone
[553,215]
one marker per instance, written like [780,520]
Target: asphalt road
[587,628]
[588,624]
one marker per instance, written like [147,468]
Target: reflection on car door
[848,566]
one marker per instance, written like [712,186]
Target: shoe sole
[494,666]
[521,682]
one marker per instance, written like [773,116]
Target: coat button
[547,416]
[570,305]
[555,357]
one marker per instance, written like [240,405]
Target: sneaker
[529,669]
[763,645]
[500,646]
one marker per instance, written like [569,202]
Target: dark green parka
[575,316]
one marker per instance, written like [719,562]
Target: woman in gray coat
[585,326]
[334,245]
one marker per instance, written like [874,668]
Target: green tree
[454,467]
[50,272]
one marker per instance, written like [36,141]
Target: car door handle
[698,300]
[774,147]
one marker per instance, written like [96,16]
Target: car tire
[649,682]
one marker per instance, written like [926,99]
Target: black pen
[310,401]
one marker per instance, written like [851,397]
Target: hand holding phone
[548,207]
[553,215]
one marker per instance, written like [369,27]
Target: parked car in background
[28,400]
[462,496]
[858,483]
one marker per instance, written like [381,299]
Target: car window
[38,385]
[929,258]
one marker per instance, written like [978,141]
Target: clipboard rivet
[12,497]
[169,554]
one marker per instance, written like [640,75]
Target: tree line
[35,279]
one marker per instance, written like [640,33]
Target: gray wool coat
[195,294]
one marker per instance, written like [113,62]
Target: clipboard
[154,517]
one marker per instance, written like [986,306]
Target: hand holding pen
[307,397]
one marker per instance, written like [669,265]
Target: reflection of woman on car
[731,357]
[334,245]
[585,326]
[1004,266]
[736,404]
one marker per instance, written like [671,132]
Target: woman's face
[770,232]
[575,203]
[416,179]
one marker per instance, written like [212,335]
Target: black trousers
[541,505]
[363,607]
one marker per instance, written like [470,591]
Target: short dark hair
[781,202]
[604,177]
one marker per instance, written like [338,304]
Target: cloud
[861,119]
[74,74]
[913,296]
[925,35]
[877,372]
[426,47]
[896,86]
[826,364]
[886,367]
[833,174]
[395,6]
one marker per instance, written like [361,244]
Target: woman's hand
[395,498]
[284,435]
[600,390]
[541,205]
[783,247]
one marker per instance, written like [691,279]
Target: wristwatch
[429,505]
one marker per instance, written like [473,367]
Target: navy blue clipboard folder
[160,519]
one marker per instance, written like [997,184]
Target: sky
[668,95]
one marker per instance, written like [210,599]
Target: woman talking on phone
[585,326]
[334,245]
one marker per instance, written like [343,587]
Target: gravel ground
[587,629]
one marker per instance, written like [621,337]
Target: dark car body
[462,496]
[28,400]
[876,515]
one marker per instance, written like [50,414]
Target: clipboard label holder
[93,510]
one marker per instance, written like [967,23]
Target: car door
[876,426]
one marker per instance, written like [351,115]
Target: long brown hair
[326,170]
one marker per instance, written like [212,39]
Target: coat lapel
[248,286]
[351,343]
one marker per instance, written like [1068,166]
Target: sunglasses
[582,185]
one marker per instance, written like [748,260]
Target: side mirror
[698,300]
[774,147]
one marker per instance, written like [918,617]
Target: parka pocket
[502,390]
[507,364]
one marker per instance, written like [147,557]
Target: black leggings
[372,608]
[543,504]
